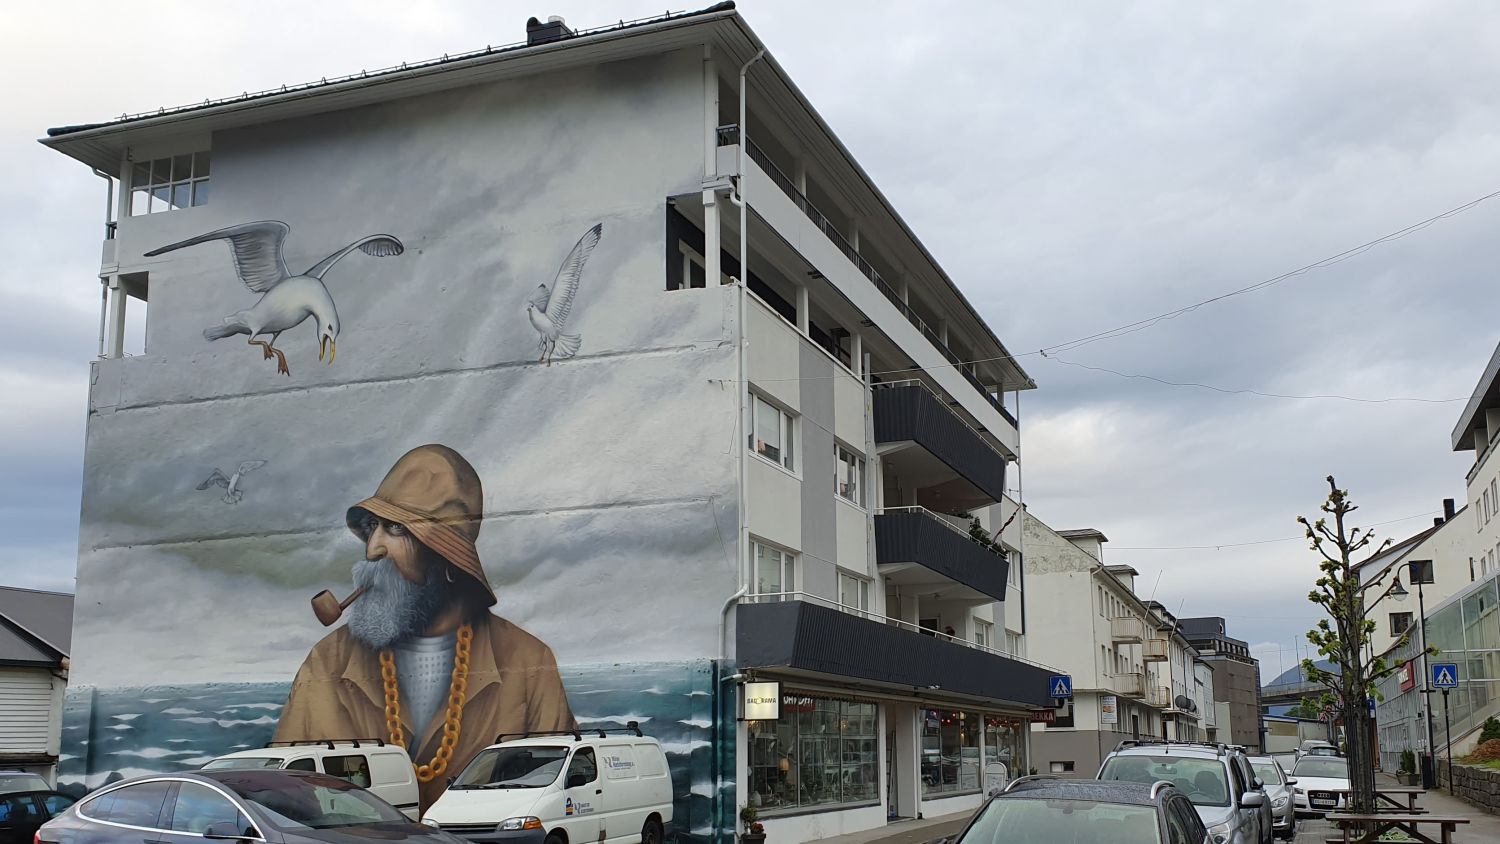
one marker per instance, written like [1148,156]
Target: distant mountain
[1293,676]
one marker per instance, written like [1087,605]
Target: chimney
[1448,510]
[555,29]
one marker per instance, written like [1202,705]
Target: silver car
[1279,791]
[1214,777]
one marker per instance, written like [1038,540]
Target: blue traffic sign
[1370,701]
[1444,675]
[1061,685]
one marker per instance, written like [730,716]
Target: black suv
[1044,808]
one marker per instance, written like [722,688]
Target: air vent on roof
[555,29]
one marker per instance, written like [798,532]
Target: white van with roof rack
[383,769]
[555,787]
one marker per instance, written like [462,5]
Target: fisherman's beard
[394,609]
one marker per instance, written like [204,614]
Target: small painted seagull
[286,300]
[231,484]
[548,307]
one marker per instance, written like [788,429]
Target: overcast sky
[1073,166]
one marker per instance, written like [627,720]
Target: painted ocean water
[110,734]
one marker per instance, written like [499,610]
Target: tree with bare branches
[1344,636]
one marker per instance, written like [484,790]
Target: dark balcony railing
[803,636]
[907,410]
[916,535]
[730,135]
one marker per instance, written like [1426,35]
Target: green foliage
[1309,708]
[1490,730]
[1408,761]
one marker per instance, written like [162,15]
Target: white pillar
[903,287]
[854,233]
[857,353]
[710,118]
[712,250]
[116,344]
[804,320]
[799,175]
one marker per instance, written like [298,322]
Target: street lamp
[1420,572]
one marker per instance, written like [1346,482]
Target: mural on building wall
[422,662]
[548,307]
[286,300]
[233,492]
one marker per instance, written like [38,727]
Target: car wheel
[651,832]
[555,838]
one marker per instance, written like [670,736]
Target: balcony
[909,412]
[1126,629]
[1158,696]
[1129,684]
[1154,650]
[729,136]
[918,548]
[800,635]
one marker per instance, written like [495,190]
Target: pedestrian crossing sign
[1444,675]
[1061,685]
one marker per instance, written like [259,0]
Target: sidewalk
[1482,828]
[906,832]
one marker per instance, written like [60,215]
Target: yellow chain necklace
[458,689]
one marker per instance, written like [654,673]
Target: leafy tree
[1308,708]
[1344,636]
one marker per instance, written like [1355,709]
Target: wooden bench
[1380,822]
[1398,800]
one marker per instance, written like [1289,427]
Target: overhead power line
[1223,545]
[1231,391]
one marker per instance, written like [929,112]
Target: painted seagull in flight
[231,483]
[286,300]
[548,307]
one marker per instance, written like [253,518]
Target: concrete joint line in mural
[286,300]
[231,483]
[548,308]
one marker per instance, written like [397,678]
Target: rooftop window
[168,184]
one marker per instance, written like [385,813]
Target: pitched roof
[35,626]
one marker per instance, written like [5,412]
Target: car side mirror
[575,780]
[224,832]
[1291,780]
[1252,800]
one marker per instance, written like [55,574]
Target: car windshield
[1323,751]
[1202,780]
[1020,820]
[244,762]
[1268,772]
[22,782]
[1321,766]
[528,766]
[316,801]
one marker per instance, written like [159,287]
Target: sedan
[278,807]
[1279,792]
[1047,809]
[1322,784]
[22,812]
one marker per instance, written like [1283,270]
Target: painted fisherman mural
[421,661]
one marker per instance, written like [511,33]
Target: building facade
[35,631]
[1236,679]
[612,337]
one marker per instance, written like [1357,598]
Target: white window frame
[153,193]
[842,467]
[862,586]
[984,633]
[786,570]
[786,432]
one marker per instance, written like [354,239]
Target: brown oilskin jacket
[514,687]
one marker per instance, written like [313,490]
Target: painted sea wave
[110,734]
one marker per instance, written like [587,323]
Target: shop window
[823,752]
[950,752]
[1005,744]
[849,476]
[1064,716]
[772,433]
[775,572]
[169,184]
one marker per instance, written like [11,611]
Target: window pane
[199,807]
[182,168]
[767,430]
[182,195]
[161,199]
[767,570]
[200,192]
[200,164]
[136,805]
[786,440]
[788,574]
[161,171]
[140,174]
[355,768]
[140,202]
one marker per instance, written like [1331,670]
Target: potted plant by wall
[754,830]
[1407,775]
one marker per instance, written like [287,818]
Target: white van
[383,769]
[573,787]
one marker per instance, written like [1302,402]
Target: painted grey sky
[1073,166]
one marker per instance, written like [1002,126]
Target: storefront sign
[1407,676]
[1109,709]
[763,701]
[1043,716]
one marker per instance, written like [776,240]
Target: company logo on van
[580,808]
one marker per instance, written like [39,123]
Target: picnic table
[1379,823]
[1399,799]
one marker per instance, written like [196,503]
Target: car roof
[1101,791]
[582,739]
[1165,749]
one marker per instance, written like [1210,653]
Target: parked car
[1316,748]
[1216,778]
[1279,792]
[371,764]
[278,807]
[561,787]
[23,812]
[1047,809]
[13,781]
[1322,784]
